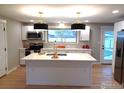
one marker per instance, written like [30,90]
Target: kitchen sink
[60,54]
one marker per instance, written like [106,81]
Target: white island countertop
[69,57]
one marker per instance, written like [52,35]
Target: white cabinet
[25,29]
[22,54]
[119,26]
[85,34]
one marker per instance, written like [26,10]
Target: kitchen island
[72,69]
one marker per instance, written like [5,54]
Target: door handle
[102,46]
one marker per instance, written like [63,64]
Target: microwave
[34,35]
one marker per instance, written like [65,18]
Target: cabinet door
[25,29]
[85,34]
[119,26]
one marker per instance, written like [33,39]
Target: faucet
[55,51]
[54,47]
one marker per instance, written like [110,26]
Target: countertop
[70,57]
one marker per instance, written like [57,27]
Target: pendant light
[77,26]
[40,26]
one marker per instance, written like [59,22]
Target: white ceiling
[54,13]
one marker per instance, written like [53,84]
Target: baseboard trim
[11,70]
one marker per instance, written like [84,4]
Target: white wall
[13,42]
[117,27]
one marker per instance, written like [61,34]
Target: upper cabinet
[85,34]
[118,26]
[26,29]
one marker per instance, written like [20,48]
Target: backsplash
[26,44]
[71,45]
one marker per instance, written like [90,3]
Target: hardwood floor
[102,78]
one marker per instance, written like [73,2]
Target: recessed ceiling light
[86,20]
[61,25]
[31,20]
[115,11]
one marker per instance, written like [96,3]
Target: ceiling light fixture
[40,26]
[77,26]
[61,25]
[115,11]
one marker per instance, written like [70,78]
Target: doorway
[3,51]
[107,43]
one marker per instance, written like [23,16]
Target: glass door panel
[108,45]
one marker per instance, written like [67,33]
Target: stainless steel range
[33,47]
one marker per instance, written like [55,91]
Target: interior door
[2,50]
[107,44]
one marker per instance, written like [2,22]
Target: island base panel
[59,73]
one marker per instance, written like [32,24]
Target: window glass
[63,36]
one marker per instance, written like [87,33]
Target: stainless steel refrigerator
[119,58]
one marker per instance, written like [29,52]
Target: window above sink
[62,36]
